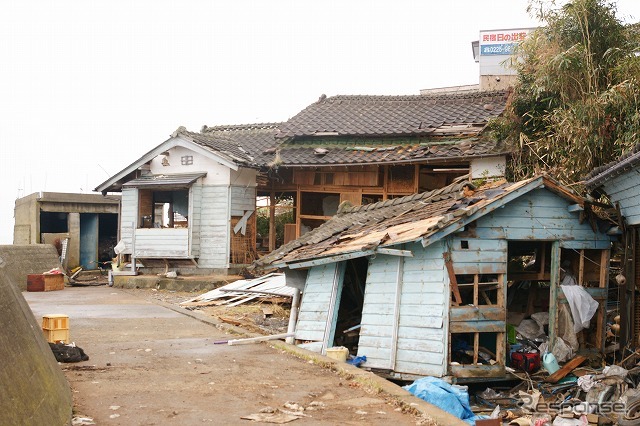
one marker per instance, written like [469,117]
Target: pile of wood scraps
[270,286]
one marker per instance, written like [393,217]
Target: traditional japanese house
[619,182]
[429,284]
[366,149]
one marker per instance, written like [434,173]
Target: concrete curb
[366,378]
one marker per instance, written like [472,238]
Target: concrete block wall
[21,260]
[34,389]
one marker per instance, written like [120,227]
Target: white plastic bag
[582,306]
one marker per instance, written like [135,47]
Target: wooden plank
[467,313]
[452,279]
[478,371]
[396,313]
[477,327]
[432,322]
[566,369]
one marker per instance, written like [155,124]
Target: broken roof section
[343,130]
[427,217]
[257,140]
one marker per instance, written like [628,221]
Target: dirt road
[150,365]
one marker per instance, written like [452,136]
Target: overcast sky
[87,87]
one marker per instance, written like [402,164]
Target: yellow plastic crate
[56,336]
[55,322]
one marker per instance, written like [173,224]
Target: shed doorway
[347,329]
[537,308]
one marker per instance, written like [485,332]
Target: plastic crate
[56,336]
[55,322]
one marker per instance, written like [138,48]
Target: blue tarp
[452,399]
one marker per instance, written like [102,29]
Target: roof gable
[222,152]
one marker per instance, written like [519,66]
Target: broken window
[163,209]
[476,348]
[479,289]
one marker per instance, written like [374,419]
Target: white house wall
[217,174]
[486,167]
[244,177]
[128,217]
[214,227]
[195,218]
[243,199]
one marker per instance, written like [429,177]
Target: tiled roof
[327,152]
[255,143]
[435,114]
[395,221]
[600,175]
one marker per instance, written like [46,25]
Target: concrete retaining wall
[21,260]
[34,390]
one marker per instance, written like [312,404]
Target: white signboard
[501,42]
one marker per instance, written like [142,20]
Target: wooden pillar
[385,182]
[298,206]
[293,316]
[601,320]
[396,313]
[554,292]
[272,222]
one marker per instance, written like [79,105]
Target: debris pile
[580,392]
[270,286]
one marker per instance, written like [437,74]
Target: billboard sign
[501,42]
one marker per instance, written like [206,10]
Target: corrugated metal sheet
[173,180]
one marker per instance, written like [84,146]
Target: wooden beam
[566,369]
[581,268]
[250,340]
[394,252]
[553,293]
[476,347]
[396,315]
[272,221]
[452,278]
[325,260]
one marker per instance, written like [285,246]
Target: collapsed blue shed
[429,284]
